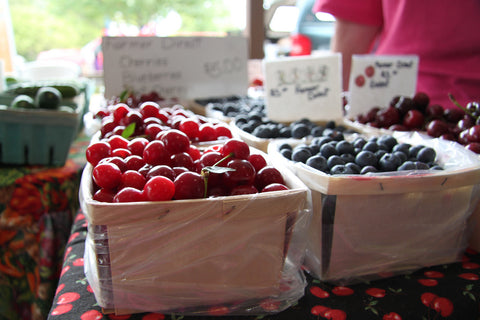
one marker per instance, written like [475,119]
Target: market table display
[446,291]
[37,206]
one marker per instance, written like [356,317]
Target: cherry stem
[205,173]
[455,102]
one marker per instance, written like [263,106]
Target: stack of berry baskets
[166,215]
[383,205]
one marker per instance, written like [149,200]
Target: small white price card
[303,87]
[376,79]
[176,67]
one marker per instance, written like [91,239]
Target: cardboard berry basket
[371,226]
[193,256]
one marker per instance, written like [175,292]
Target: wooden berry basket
[185,256]
[368,226]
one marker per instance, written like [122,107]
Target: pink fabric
[444,33]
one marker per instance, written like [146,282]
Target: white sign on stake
[303,87]
[176,67]
[376,79]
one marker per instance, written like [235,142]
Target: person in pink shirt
[444,34]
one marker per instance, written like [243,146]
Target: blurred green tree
[40,25]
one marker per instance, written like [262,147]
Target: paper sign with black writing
[303,87]
[176,67]
[376,79]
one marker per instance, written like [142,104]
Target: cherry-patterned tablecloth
[37,208]
[439,292]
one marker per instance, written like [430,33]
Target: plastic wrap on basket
[237,254]
[366,227]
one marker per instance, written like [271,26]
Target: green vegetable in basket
[48,98]
[23,101]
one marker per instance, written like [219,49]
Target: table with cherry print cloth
[440,292]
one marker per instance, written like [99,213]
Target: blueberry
[402,147]
[421,165]
[426,155]
[315,148]
[285,146]
[301,154]
[368,169]
[318,162]
[255,116]
[262,131]
[331,124]
[359,143]
[371,146]
[321,140]
[300,131]
[341,169]
[379,153]
[334,160]
[317,131]
[401,155]
[407,165]
[347,157]
[287,153]
[328,150]
[345,147]
[413,151]
[285,132]
[366,158]
[354,167]
[388,141]
[389,162]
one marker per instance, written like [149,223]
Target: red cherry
[121,153]
[98,151]
[238,148]
[161,170]
[335,314]
[369,71]
[428,282]
[427,298]
[182,159]
[189,185]
[413,119]
[134,179]
[257,160]
[159,188]
[443,305]
[268,175]
[433,274]
[243,189]
[342,291]
[129,194]
[436,128]
[117,141]
[274,187]
[470,265]
[134,162]
[149,109]
[360,81]
[391,316]
[119,111]
[319,310]
[104,195]
[152,130]
[469,276]
[194,152]
[137,145]
[434,111]
[222,131]
[155,153]
[176,141]
[319,292]
[375,292]
[388,117]
[474,134]
[190,127]
[244,173]
[207,132]
[107,175]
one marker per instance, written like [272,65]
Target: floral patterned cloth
[440,292]
[37,206]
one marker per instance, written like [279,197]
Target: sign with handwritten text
[303,87]
[176,67]
[376,79]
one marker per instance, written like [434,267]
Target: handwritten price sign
[176,67]
[303,87]
[375,80]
